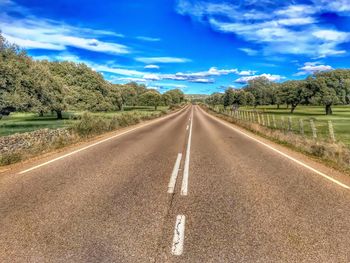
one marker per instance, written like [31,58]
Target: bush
[89,125]
[9,158]
[126,119]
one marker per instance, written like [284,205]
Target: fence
[306,127]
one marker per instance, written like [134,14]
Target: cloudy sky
[196,45]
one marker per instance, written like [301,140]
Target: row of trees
[324,88]
[43,86]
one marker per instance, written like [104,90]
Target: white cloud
[151,66]
[246,72]
[249,51]
[244,80]
[297,21]
[331,35]
[296,11]
[149,39]
[37,33]
[338,6]
[179,86]
[152,77]
[119,71]
[288,29]
[153,87]
[128,79]
[162,60]
[202,80]
[312,67]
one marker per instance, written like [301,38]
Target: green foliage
[215,99]
[177,96]
[150,98]
[10,158]
[90,125]
[42,86]
[326,88]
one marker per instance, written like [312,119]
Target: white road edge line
[284,154]
[96,143]
[184,186]
[172,182]
[179,236]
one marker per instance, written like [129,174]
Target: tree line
[42,86]
[323,88]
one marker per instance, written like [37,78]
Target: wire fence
[307,127]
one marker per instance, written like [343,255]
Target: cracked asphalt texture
[109,203]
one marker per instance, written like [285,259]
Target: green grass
[25,122]
[340,119]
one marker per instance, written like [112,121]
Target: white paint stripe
[179,236]
[283,154]
[184,187]
[96,143]
[172,182]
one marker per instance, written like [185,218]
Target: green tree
[166,99]
[215,99]
[48,89]
[261,88]
[151,98]
[177,96]
[15,80]
[229,97]
[293,93]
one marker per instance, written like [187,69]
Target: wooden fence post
[263,119]
[274,121]
[258,118]
[289,123]
[283,126]
[268,120]
[313,128]
[331,131]
[301,126]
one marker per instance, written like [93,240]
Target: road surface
[184,188]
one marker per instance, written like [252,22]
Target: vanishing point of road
[187,187]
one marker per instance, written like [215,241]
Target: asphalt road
[184,188]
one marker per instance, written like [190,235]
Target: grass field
[340,119]
[26,122]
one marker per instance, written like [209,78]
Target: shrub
[114,123]
[126,119]
[89,125]
[9,158]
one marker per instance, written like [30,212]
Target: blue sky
[199,46]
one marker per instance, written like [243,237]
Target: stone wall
[26,141]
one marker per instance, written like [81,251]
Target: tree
[215,99]
[86,88]
[166,99]
[15,80]
[240,98]
[229,97]
[324,91]
[115,96]
[250,99]
[177,96]
[139,89]
[150,98]
[49,92]
[128,95]
[293,93]
[261,88]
